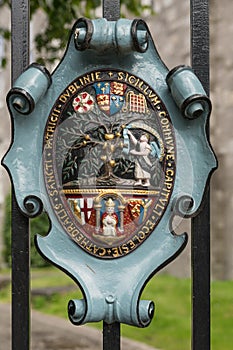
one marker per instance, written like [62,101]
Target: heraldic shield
[108,151]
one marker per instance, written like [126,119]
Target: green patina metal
[112,146]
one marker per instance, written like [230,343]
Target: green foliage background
[170,328]
[60,16]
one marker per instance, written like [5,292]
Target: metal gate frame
[200,228]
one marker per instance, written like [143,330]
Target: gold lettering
[97,75]
[151,95]
[49,173]
[66,221]
[84,242]
[77,86]
[155,101]
[132,245]
[115,252]
[170,172]
[79,237]
[120,76]
[141,235]
[81,81]
[124,248]
[53,193]
[62,98]
[145,90]
[50,128]
[58,206]
[52,186]
[62,214]
[140,85]
[102,251]
[74,232]
[72,89]
[92,77]
[48,144]
[86,79]
[132,79]
[162,114]
[146,229]
[163,201]
[95,249]
[168,185]
[170,149]
[136,239]
[164,121]
[166,195]
[156,210]
[170,156]
[54,118]
[150,224]
[166,127]
[89,247]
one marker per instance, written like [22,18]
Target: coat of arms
[114,155]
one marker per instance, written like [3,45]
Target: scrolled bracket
[146,310]
[100,35]
[188,93]
[77,310]
[28,89]
[183,206]
[33,206]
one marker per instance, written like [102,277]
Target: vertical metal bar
[111,10]
[20,224]
[20,26]
[200,40]
[111,332]
[111,336]
[201,224]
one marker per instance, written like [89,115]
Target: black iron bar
[111,9]
[20,224]
[111,332]
[111,336]
[201,224]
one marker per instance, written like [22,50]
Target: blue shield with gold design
[110,96]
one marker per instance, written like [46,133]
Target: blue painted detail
[30,86]
[122,36]
[111,287]
[109,99]
[155,150]
[188,92]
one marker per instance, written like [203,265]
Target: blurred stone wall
[170,28]
[222,137]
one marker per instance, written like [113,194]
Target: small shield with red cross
[82,208]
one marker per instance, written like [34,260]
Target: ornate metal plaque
[109,161]
[112,147]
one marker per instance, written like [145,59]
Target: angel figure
[141,150]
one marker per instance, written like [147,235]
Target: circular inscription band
[109,161]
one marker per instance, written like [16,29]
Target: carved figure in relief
[109,219]
[141,149]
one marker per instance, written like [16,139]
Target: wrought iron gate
[199,14]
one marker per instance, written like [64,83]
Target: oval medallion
[109,161]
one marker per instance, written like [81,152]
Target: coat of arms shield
[113,150]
